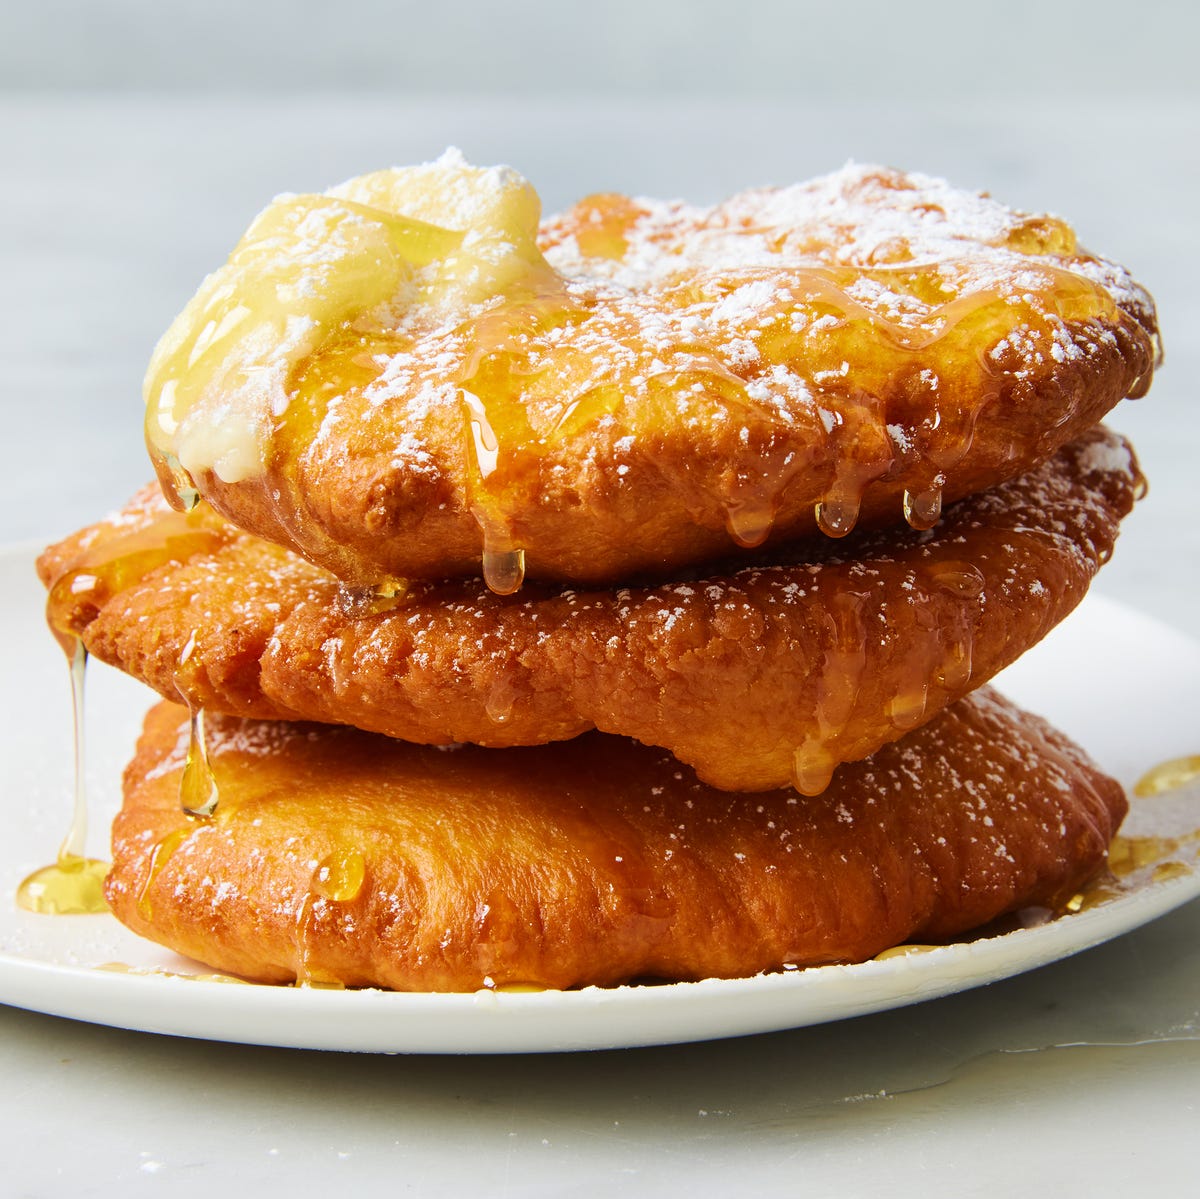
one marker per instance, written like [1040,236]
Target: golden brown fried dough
[666,381]
[337,855]
[774,673]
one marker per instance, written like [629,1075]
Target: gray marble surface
[111,209]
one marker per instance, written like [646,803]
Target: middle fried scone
[338,856]
[407,377]
[769,675]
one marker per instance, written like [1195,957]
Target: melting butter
[308,267]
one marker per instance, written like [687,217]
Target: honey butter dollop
[441,236]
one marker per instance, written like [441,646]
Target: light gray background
[136,141]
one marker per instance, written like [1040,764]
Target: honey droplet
[954,672]
[178,486]
[812,769]
[908,710]
[1042,235]
[1168,776]
[339,876]
[198,794]
[923,509]
[503,570]
[749,523]
[836,517]
[71,886]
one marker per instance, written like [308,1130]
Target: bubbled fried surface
[756,677]
[338,856]
[679,378]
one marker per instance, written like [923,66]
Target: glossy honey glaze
[797,365]
[522,398]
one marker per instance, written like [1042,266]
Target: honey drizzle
[73,884]
[500,437]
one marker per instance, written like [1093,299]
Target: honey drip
[198,793]
[923,509]
[337,878]
[503,438]
[956,667]
[906,711]
[500,701]
[503,570]
[956,632]
[749,521]
[1168,776]
[814,761]
[74,883]
[178,486]
[164,851]
[812,769]
[836,517]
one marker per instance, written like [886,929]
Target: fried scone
[769,675]
[340,856]
[406,377]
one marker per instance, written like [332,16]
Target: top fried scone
[409,377]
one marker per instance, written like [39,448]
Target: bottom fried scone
[337,855]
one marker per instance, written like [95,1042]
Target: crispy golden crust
[336,855]
[755,678]
[685,378]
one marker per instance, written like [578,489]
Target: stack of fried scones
[610,598]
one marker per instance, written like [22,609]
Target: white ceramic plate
[1124,686]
